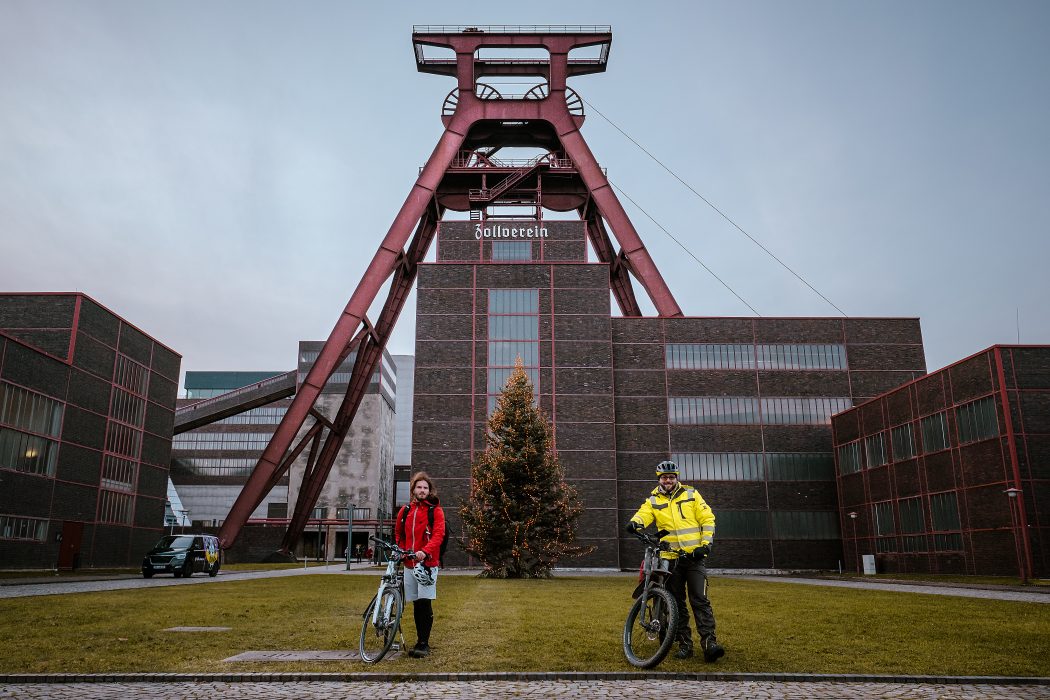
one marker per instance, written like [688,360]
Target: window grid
[755,466]
[256,416]
[805,525]
[27,453]
[903,442]
[749,356]
[748,410]
[934,432]
[849,457]
[114,507]
[743,524]
[884,518]
[131,375]
[507,251]
[359,513]
[118,474]
[513,332]
[123,440]
[977,420]
[218,466]
[944,514]
[14,527]
[221,441]
[875,450]
[127,408]
[29,412]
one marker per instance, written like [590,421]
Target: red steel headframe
[476,122]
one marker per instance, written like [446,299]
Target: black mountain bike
[653,620]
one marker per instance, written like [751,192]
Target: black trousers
[690,574]
[423,613]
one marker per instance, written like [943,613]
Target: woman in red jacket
[414,532]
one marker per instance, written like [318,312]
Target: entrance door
[69,549]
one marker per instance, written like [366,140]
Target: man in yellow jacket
[690,524]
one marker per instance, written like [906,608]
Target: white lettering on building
[509,232]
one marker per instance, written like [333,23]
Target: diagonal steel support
[619,279]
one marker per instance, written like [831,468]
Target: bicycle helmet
[423,575]
[666,467]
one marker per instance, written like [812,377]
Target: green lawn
[484,625]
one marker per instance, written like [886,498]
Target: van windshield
[176,542]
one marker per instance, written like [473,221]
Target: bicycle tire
[650,628]
[377,639]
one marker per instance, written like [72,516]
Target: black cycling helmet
[666,467]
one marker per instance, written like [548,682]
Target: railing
[205,403]
[473,159]
[512,29]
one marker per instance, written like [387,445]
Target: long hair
[421,476]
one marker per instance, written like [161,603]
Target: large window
[913,525]
[849,457]
[513,332]
[215,466]
[934,432]
[805,525]
[977,420]
[114,507]
[221,441]
[755,466]
[875,450]
[28,424]
[743,524]
[903,442]
[749,356]
[944,512]
[267,415]
[505,251]
[13,527]
[885,541]
[748,410]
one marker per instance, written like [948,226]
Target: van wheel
[147,574]
[214,571]
[187,569]
[177,573]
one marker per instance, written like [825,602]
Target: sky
[221,173]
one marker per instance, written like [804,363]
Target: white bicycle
[382,618]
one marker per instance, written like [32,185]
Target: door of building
[69,547]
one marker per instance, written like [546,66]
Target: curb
[26,678]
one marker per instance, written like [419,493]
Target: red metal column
[385,262]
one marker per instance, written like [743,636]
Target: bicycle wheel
[650,628]
[377,638]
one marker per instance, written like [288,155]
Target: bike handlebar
[656,542]
[395,551]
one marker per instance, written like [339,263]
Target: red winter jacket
[413,534]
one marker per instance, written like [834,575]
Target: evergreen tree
[521,516]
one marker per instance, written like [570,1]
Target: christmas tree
[521,517]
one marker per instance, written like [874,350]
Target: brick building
[86,409]
[950,473]
[743,404]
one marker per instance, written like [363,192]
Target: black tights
[423,612]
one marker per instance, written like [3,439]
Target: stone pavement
[1035,595]
[468,690]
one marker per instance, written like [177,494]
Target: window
[511,250]
[28,411]
[748,410]
[118,474]
[127,408]
[114,507]
[256,416]
[513,333]
[944,513]
[903,442]
[131,375]
[123,440]
[977,420]
[27,453]
[742,524]
[18,528]
[912,523]
[221,441]
[720,466]
[359,513]
[934,432]
[214,466]
[803,525]
[884,518]
[875,450]
[800,466]
[849,457]
[748,356]
[796,410]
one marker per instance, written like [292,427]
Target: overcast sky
[220,173]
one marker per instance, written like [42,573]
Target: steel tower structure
[463,174]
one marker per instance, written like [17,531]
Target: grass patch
[484,625]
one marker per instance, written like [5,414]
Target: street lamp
[349,532]
[856,546]
[1013,494]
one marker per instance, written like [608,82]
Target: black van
[182,555]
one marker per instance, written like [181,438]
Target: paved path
[986,593]
[468,690]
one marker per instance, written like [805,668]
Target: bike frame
[393,577]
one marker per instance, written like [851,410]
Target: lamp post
[856,546]
[1013,494]
[349,532]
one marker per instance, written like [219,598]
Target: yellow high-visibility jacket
[685,515]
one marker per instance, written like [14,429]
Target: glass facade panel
[849,457]
[13,527]
[903,442]
[216,466]
[755,466]
[27,453]
[513,316]
[257,416]
[130,375]
[747,410]
[934,432]
[805,525]
[504,354]
[221,441]
[884,518]
[513,328]
[911,515]
[743,524]
[119,474]
[748,356]
[25,410]
[504,251]
[514,301]
[115,507]
[127,408]
[977,420]
[875,450]
[944,511]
